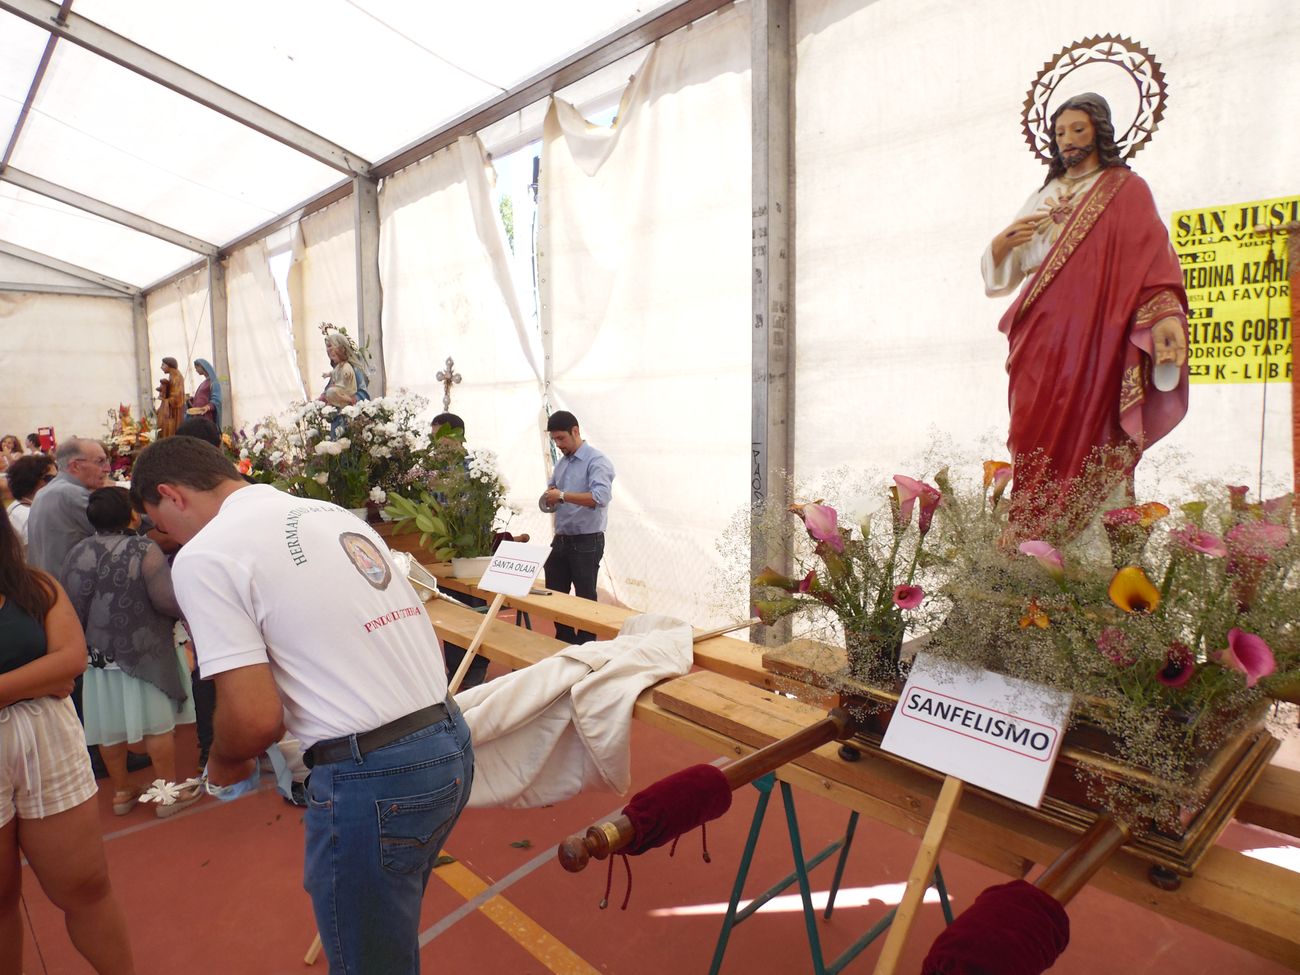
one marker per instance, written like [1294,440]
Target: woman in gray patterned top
[120,586]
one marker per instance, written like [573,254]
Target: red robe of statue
[1080,346]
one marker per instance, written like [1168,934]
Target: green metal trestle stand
[802,868]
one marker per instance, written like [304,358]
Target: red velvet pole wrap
[675,805]
[1011,929]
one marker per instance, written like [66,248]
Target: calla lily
[931,498]
[1277,510]
[908,597]
[1247,653]
[1128,529]
[821,520]
[1251,545]
[1256,539]
[770,610]
[1034,616]
[1180,664]
[1198,540]
[1132,591]
[1237,496]
[906,491]
[770,577]
[809,584]
[995,470]
[1048,557]
[1114,646]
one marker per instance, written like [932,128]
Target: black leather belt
[337,749]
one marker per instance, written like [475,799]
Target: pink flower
[1180,664]
[905,494]
[1250,546]
[1237,496]
[1247,653]
[1048,557]
[822,523]
[1256,539]
[1277,510]
[1198,540]
[908,490]
[930,500]
[908,597]
[1113,645]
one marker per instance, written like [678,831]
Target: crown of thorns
[1124,54]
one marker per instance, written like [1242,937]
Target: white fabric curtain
[448,292]
[644,274]
[322,285]
[68,362]
[264,376]
[910,157]
[180,325]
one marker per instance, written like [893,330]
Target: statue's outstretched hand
[1168,344]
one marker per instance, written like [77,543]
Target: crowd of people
[114,602]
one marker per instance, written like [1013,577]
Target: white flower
[378,495]
[243,453]
[322,448]
[343,444]
[276,456]
[321,478]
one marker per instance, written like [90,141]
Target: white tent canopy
[156,154]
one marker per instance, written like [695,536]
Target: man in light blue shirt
[579,495]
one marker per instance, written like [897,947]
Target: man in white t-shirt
[300,617]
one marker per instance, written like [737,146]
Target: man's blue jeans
[375,826]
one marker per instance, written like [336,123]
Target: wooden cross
[448,377]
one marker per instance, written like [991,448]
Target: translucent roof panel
[48,227]
[370,75]
[507,41]
[21,45]
[326,64]
[114,135]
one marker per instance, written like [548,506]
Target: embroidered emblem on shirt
[366,558]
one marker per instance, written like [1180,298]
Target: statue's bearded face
[1076,138]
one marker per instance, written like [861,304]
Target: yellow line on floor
[521,928]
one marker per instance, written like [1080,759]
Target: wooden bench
[729,706]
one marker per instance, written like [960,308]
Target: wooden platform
[729,707]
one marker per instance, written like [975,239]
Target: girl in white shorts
[46,786]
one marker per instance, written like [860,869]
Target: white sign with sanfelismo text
[999,733]
[514,567]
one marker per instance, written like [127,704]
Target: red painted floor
[217,889]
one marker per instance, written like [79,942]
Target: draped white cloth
[322,285]
[66,361]
[180,326]
[264,376]
[644,274]
[564,725]
[448,292]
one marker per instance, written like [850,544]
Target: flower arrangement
[1170,625]
[349,455]
[456,500]
[864,576]
[1173,625]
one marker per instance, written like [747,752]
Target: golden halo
[1119,69]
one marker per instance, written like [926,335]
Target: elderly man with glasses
[58,514]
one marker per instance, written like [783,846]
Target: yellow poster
[1236,281]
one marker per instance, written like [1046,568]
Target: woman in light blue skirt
[136,687]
